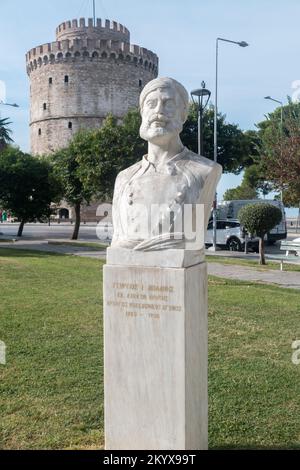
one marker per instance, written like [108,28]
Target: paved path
[242,273]
[48,248]
[283,279]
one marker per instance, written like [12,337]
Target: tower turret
[88,72]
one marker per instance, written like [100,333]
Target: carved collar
[167,168]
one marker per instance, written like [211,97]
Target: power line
[103,9]
[83,4]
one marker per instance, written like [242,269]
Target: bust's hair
[166,82]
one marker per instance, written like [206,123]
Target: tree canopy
[240,192]
[27,186]
[5,133]
[280,151]
[258,219]
[235,147]
[88,167]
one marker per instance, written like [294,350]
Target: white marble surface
[167,258]
[155,336]
[151,197]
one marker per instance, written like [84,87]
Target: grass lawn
[94,246]
[51,389]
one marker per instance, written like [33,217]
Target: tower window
[66,78]
[45,106]
[140,83]
[70,125]
[50,80]
[40,131]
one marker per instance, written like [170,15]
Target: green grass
[94,246]
[251,263]
[51,390]
[253,384]
[51,321]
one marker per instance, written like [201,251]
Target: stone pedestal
[155,327]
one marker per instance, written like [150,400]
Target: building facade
[91,70]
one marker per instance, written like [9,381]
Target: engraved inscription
[139,300]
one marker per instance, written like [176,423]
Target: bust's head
[164,107]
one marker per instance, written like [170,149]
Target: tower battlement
[103,29]
[90,49]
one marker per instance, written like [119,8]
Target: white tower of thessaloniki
[88,72]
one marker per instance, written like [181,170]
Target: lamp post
[200,98]
[281,131]
[281,109]
[14,105]
[241,44]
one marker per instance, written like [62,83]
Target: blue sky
[183,34]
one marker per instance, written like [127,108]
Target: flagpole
[94,12]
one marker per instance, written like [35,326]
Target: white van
[230,210]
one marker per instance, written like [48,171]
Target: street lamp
[281,109]
[281,130]
[200,98]
[14,105]
[241,44]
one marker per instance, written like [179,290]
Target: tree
[68,171]
[104,152]
[88,167]
[5,132]
[258,219]
[235,147]
[255,178]
[27,186]
[280,151]
[240,192]
[253,182]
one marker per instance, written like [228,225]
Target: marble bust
[150,196]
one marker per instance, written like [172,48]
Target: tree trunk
[262,259]
[77,221]
[21,226]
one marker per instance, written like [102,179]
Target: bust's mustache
[158,118]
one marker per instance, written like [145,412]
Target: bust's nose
[159,107]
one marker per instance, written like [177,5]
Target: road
[87,233]
[43,231]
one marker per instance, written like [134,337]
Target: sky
[183,35]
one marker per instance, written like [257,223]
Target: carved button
[131,194]
[130,202]
[179,197]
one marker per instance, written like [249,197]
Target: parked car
[230,210]
[230,235]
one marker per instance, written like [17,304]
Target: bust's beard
[152,133]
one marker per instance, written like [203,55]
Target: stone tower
[88,72]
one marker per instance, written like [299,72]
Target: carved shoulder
[128,172]
[202,166]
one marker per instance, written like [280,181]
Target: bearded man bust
[150,196]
